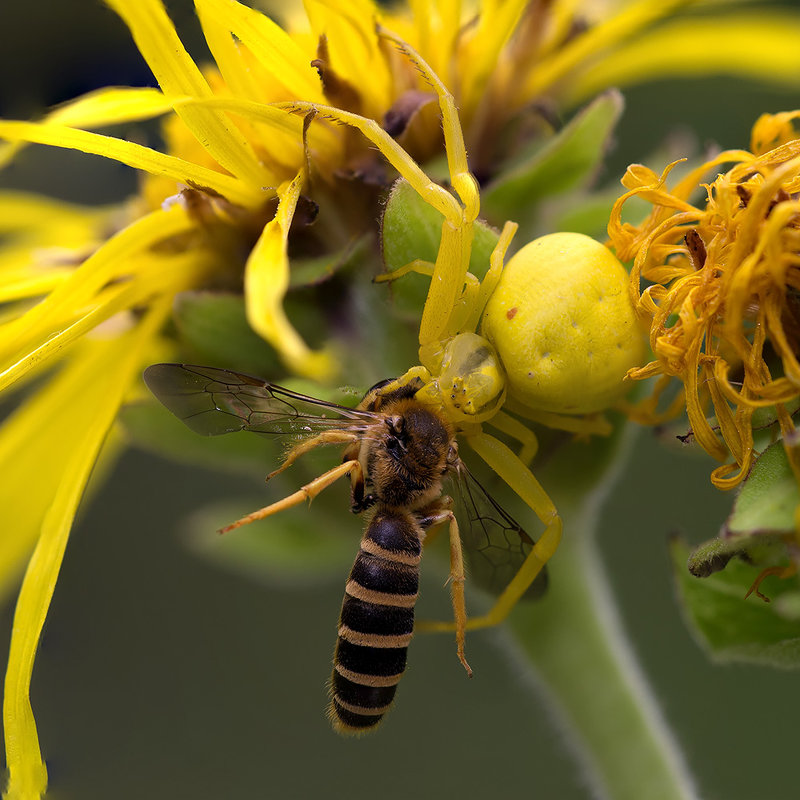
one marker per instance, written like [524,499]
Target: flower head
[723,271]
[88,294]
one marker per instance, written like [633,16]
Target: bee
[398,451]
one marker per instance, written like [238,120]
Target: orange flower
[722,262]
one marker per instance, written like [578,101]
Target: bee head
[397,437]
[418,439]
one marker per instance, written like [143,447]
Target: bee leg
[361,502]
[326,437]
[457,576]
[307,492]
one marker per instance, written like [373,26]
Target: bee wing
[213,401]
[495,544]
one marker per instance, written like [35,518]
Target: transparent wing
[495,544]
[213,401]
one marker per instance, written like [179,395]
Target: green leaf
[588,214]
[214,329]
[412,230]
[732,627]
[565,161]
[312,271]
[768,497]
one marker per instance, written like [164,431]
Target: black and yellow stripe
[376,623]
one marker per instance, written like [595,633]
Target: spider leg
[442,316]
[452,259]
[417,265]
[522,433]
[409,376]
[514,472]
[307,492]
[461,178]
[464,309]
[511,470]
[781,572]
[587,425]
[437,196]
[492,276]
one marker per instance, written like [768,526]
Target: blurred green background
[163,675]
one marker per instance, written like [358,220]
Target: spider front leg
[453,257]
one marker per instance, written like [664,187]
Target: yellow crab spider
[465,372]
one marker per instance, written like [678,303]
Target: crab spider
[461,370]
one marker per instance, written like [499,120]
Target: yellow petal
[134,155]
[763,46]
[20,211]
[266,280]
[21,283]
[355,52]
[602,36]
[111,105]
[63,443]
[166,277]
[283,141]
[177,74]
[107,106]
[437,26]
[498,20]
[111,262]
[289,66]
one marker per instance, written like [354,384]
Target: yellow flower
[86,292]
[723,271]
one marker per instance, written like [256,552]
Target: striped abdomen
[376,623]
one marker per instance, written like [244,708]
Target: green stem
[575,642]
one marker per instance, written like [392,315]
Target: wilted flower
[723,271]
